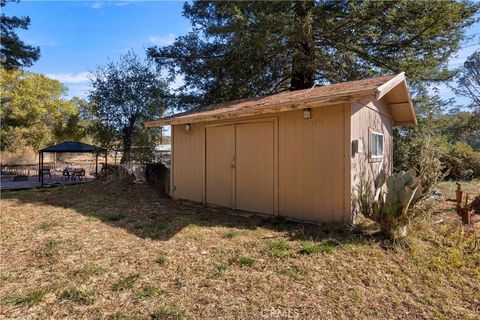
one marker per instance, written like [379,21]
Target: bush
[461,162]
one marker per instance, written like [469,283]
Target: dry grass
[123,252]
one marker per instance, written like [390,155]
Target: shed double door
[240,166]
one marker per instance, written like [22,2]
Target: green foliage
[390,209]
[329,245]
[34,112]
[278,247]
[123,95]
[453,138]
[30,299]
[462,162]
[149,291]
[125,283]
[77,296]
[161,260]
[241,49]
[14,53]
[308,247]
[230,234]
[246,261]
[430,166]
[222,267]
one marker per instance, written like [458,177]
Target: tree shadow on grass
[144,212]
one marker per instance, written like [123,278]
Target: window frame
[373,157]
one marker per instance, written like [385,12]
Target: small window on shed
[376,145]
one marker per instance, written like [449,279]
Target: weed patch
[246,261]
[125,283]
[30,299]
[149,291]
[307,247]
[329,245]
[161,260]
[77,296]
[47,225]
[278,247]
[230,234]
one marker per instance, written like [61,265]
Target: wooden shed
[298,154]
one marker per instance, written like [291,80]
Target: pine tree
[252,48]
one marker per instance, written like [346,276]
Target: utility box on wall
[357,146]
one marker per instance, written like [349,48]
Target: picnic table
[73,173]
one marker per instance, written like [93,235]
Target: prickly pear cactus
[391,207]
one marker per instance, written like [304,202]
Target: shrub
[430,167]
[364,197]
[461,162]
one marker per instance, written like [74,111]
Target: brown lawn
[116,251]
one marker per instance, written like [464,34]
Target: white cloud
[164,40]
[70,77]
[78,90]
[96,5]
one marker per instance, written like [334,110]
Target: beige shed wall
[313,163]
[368,115]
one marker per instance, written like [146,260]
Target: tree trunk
[127,143]
[303,60]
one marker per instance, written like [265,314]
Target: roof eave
[385,88]
[282,107]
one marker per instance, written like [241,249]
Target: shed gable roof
[373,88]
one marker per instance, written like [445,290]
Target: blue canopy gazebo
[69,147]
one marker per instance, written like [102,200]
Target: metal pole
[39,164]
[41,171]
[96,165]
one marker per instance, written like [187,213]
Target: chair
[65,175]
[78,173]
[46,172]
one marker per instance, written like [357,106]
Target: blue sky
[76,36]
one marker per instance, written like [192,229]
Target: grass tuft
[47,225]
[230,234]
[222,267]
[149,291]
[51,248]
[278,247]
[29,299]
[246,261]
[329,245]
[77,296]
[125,283]
[308,247]
[89,271]
[161,260]
[170,312]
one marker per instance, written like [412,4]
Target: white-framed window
[376,145]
